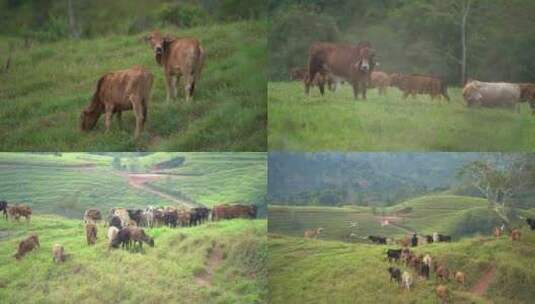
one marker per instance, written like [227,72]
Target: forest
[453,39]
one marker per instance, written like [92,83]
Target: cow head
[89,117]
[159,44]
[365,62]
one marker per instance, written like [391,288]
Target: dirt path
[481,286]
[214,260]
[140,180]
[392,220]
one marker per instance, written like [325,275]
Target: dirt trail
[140,180]
[481,286]
[214,260]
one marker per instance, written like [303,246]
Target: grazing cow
[313,233]
[112,236]
[444,238]
[393,255]
[395,274]
[442,293]
[406,279]
[414,240]
[3,208]
[91,234]
[58,253]
[115,221]
[15,212]
[138,235]
[353,63]
[515,235]
[180,57]
[429,239]
[491,94]
[380,80]
[460,277]
[420,84]
[298,73]
[531,223]
[148,215]
[226,211]
[377,239]
[443,273]
[171,217]
[92,216]
[136,215]
[117,92]
[185,218]
[27,245]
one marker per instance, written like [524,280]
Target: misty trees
[499,178]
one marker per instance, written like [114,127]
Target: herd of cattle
[423,264]
[130,89]
[125,225]
[330,64]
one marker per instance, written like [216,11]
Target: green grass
[338,122]
[63,185]
[49,84]
[163,274]
[317,271]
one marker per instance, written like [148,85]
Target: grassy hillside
[449,214]
[316,271]
[72,182]
[338,122]
[221,262]
[49,84]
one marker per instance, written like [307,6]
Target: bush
[182,15]
[56,28]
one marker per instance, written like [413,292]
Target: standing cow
[116,92]
[353,63]
[92,216]
[491,94]
[180,57]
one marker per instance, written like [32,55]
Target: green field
[459,216]
[318,271]
[70,183]
[338,122]
[49,84]
[181,268]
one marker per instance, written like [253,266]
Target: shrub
[182,15]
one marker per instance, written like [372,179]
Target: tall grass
[49,84]
[338,122]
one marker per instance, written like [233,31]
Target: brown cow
[313,233]
[353,63]
[515,235]
[380,80]
[460,277]
[442,293]
[116,92]
[58,253]
[420,84]
[15,212]
[442,273]
[527,94]
[180,57]
[227,211]
[91,234]
[92,216]
[497,232]
[27,245]
[184,218]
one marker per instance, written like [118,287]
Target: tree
[499,178]
[73,27]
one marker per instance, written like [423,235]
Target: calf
[27,245]
[395,274]
[313,233]
[15,212]
[420,84]
[92,216]
[58,253]
[122,238]
[91,234]
[393,254]
[180,57]
[117,92]
[138,235]
[443,273]
[515,235]
[406,279]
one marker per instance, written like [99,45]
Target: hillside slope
[316,271]
[49,84]
[221,262]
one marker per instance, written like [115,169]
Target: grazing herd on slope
[332,63]
[130,89]
[125,225]
[423,264]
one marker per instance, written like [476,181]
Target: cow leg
[168,85]
[138,111]
[108,115]
[364,91]
[120,118]
[356,90]
[174,83]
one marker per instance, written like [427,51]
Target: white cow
[491,94]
